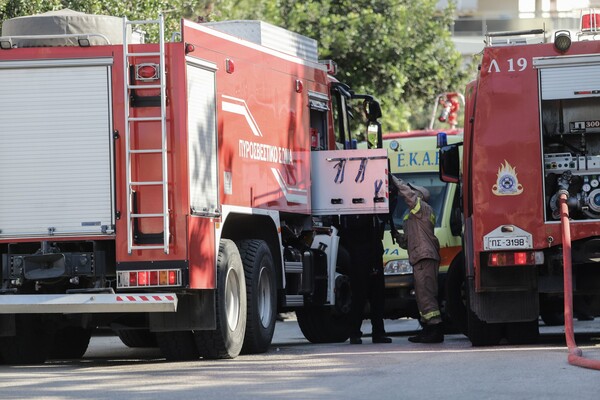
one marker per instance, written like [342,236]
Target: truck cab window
[318,120]
[340,118]
[436,188]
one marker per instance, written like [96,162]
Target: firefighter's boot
[355,340]
[381,339]
[429,334]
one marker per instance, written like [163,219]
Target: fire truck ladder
[133,217]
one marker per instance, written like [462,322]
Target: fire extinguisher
[450,106]
[446,106]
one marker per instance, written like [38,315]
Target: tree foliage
[400,51]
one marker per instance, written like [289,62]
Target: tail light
[149,278]
[513,258]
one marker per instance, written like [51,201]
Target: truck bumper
[87,303]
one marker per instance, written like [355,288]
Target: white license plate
[503,243]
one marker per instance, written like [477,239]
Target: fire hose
[575,356]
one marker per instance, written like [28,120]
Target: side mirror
[373,110]
[449,163]
[374,135]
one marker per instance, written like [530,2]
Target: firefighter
[362,236]
[424,255]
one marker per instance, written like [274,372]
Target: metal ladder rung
[147,151]
[148,215]
[147,183]
[147,247]
[130,86]
[144,22]
[145,86]
[137,119]
[143,54]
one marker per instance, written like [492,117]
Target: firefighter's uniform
[424,255]
[362,236]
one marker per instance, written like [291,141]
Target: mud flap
[516,306]
[194,312]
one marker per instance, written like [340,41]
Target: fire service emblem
[507,183]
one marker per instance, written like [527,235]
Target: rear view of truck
[532,132]
[59,150]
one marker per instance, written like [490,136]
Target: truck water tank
[63,22]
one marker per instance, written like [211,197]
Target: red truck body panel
[263,144]
[504,136]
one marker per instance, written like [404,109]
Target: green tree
[400,51]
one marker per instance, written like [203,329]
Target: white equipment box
[350,182]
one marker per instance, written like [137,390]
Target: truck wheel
[260,295]
[552,310]
[552,318]
[480,333]
[322,325]
[523,332]
[70,343]
[29,346]
[483,334]
[137,338]
[455,294]
[177,345]
[227,339]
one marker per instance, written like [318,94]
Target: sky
[561,5]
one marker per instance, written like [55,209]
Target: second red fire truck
[531,143]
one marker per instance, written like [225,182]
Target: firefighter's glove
[397,182]
[400,239]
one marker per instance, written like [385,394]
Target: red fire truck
[177,192]
[532,134]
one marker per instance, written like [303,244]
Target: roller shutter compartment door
[56,166]
[202,142]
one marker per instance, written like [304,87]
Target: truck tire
[177,345]
[523,332]
[322,325]
[29,346]
[227,339]
[261,295]
[137,338]
[481,333]
[70,343]
[552,318]
[552,310]
[455,294]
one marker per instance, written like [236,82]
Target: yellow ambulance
[413,157]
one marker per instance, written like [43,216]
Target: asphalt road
[296,369]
